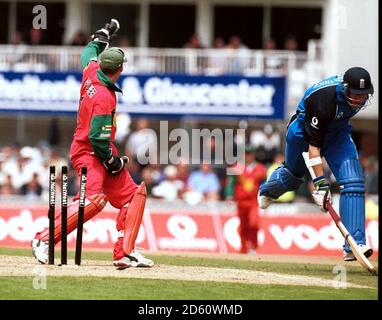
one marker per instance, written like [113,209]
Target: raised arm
[100,41]
[91,52]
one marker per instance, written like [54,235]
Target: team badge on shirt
[90,90]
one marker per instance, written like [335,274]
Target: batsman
[321,127]
[108,179]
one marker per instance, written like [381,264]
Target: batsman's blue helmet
[357,81]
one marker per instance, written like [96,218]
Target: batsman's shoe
[40,250]
[134,259]
[263,201]
[365,249]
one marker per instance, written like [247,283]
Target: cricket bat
[364,262]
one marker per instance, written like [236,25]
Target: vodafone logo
[23,227]
[231,233]
[298,238]
[314,123]
[182,227]
[315,235]
[372,231]
[307,237]
[18,227]
[184,230]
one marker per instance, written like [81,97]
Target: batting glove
[115,165]
[322,193]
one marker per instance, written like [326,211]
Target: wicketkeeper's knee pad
[280,181]
[352,199]
[93,205]
[129,219]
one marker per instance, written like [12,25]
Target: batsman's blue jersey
[321,120]
[328,91]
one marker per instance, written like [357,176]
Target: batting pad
[93,205]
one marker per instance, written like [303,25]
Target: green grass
[128,288]
[20,288]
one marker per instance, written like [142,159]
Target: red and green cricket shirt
[96,122]
[245,185]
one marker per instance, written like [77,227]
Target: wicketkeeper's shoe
[134,259]
[263,201]
[40,250]
[122,263]
[138,260]
[365,249]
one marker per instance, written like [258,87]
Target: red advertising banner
[300,235]
[174,230]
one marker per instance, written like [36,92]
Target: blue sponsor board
[175,95]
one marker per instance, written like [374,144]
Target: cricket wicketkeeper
[108,179]
[321,127]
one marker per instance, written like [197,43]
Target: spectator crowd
[24,170]
[230,55]
[81,38]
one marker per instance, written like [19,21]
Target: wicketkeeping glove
[114,164]
[112,27]
[105,34]
[322,192]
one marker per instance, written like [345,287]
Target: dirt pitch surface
[27,267]
[257,257]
